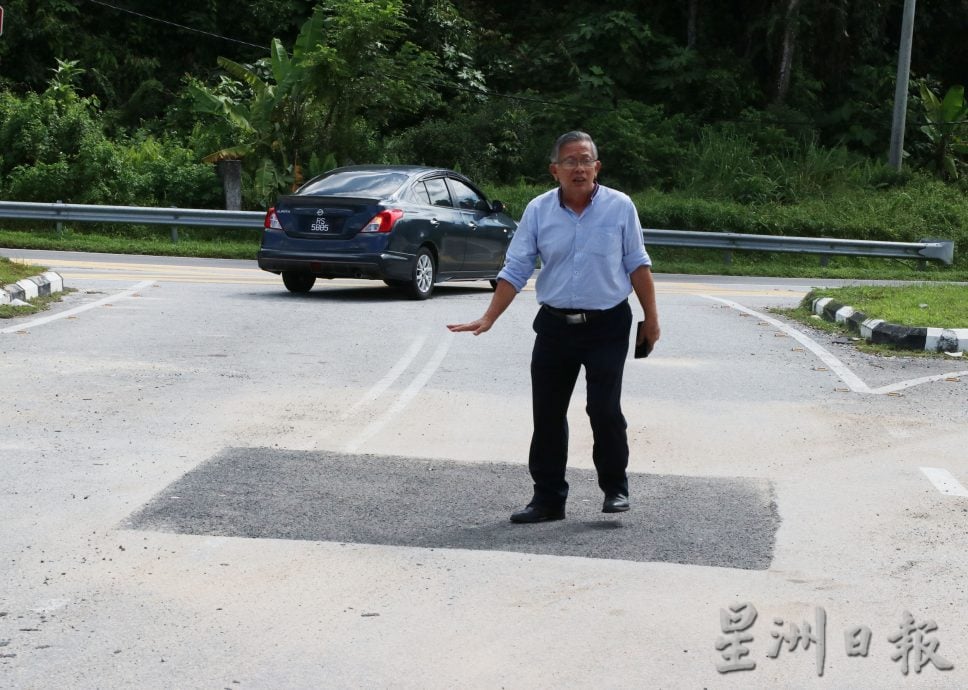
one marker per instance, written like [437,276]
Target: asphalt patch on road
[326,496]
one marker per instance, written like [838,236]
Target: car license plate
[319,225]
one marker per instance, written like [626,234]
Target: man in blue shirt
[589,240]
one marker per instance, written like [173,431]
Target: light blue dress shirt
[585,259]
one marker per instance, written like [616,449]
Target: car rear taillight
[383,221]
[272,220]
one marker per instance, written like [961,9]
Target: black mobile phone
[645,348]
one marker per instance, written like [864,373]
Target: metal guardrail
[135,215]
[925,250]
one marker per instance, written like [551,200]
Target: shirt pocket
[605,240]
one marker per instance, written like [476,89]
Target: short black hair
[567,138]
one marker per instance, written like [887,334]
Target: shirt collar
[590,199]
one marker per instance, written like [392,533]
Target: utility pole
[901,90]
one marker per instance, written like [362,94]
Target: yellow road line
[101,270]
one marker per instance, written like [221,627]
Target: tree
[364,71]
[338,87]
[265,111]
[789,45]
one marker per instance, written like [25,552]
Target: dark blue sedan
[410,226]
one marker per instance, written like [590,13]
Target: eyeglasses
[572,163]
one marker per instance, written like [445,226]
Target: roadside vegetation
[12,271]
[941,306]
[919,305]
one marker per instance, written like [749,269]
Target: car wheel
[396,283]
[424,273]
[493,284]
[296,281]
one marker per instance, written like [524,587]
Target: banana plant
[269,123]
[944,117]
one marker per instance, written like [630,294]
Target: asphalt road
[209,482]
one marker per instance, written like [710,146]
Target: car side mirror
[497,207]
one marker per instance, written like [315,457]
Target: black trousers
[560,350]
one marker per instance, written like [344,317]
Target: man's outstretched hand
[481,325]
[504,294]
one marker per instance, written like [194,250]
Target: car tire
[493,284]
[390,282]
[296,281]
[421,284]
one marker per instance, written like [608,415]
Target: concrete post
[896,155]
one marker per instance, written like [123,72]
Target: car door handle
[434,222]
[473,225]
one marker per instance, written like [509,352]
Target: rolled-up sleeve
[634,254]
[522,253]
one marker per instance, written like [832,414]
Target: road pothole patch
[327,496]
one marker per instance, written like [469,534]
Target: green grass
[244,246]
[37,304]
[944,306]
[940,306]
[803,315]
[12,271]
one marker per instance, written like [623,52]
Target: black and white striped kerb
[36,286]
[878,331]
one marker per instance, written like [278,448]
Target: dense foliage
[755,102]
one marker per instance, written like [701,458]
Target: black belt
[577,316]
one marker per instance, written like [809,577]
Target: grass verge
[935,305]
[37,304]
[12,271]
[802,314]
[939,306]
[141,243]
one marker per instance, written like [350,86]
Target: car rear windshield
[375,183]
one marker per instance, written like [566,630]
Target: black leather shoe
[538,514]
[616,503]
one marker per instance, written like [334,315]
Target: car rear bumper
[384,265]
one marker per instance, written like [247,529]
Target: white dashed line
[944,481]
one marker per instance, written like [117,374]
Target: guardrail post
[60,225]
[174,232]
[727,257]
[824,260]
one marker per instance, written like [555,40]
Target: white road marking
[77,310]
[380,386]
[405,397]
[944,481]
[834,364]
[917,382]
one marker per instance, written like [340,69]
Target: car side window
[420,194]
[466,197]
[437,192]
